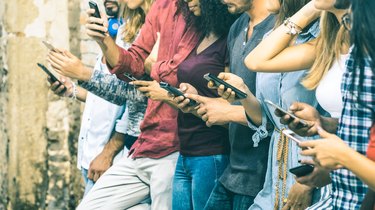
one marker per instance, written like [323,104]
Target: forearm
[252,108]
[274,53]
[329,124]
[110,51]
[108,87]
[360,165]
[114,145]
[81,94]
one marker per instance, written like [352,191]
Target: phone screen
[176,92]
[302,122]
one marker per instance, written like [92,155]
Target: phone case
[239,94]
[94,6]
[176,92]
[302,170]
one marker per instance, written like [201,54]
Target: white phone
[302,122]
[290,134]
[51,47]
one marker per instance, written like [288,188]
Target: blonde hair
[333,37]
[134,18]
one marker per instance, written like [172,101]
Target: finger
[93,33]
[97,28]
[68,54]
[96,177]
[308,161]
[211,85]
[286,206]
[297,106]
[201,111]
[58,55]
[55,61]
[196,98]
[95,21]
[309,144]
[308,152]
[322,133]
[183,87]
[90,12]
[90,174]
[205,117]
[141,83]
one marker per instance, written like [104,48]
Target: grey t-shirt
[246,171]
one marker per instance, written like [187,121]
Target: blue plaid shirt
[354,126]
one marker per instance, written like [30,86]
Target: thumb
[183,87]
[296,106]
[322,133]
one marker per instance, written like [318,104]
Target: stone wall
[38,130]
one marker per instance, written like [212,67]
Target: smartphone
[94,6]
[49,73]
[177,92]
[291,135]
[51,47]
[210,77]
[302,122]
[302,170]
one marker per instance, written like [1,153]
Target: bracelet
[293,28]
[75,92]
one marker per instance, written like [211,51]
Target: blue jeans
[223,199]
[194,179]
[88,182]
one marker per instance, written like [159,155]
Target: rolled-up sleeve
[262,131]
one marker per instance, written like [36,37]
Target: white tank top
[328,92]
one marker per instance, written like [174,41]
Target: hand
[153,56]
[69,65]
[214,111]
[302,111]
[319,177]
[65,89]
[233,80]
[151,89]
[299,197]
[327,152]
[99,165]
[97,28]
[181,101]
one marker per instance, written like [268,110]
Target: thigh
[181,196]
[242,202]
[118,188]
[220,198]
[160,174]
[205,170]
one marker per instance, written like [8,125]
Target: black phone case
[302,170]
[94,6]
[176,92]
[217,81]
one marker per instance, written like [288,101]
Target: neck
[257,12]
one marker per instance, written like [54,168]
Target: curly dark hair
[214,18]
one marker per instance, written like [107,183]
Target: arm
[332,153]
[273,53]
[104,160]
[108,87]
[66,89]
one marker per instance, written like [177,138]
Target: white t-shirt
[328,92]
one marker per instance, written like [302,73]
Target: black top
[196,139]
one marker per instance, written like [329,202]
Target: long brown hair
[288,8]
[333,37]
[134,19]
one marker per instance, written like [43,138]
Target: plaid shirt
[354,126]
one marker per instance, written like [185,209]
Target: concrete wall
[38,130]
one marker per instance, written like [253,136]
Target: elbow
[251,63]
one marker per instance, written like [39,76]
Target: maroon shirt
[158,136]
[196,139]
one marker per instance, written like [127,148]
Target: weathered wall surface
[38,130]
